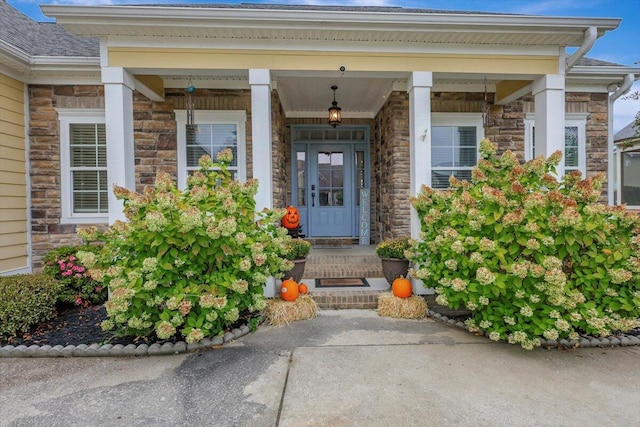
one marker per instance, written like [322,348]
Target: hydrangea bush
[529,256]
[187,263]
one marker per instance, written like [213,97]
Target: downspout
[618,91]
[590,36]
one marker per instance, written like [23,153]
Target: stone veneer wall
[279,150]
[154,133]
[44,156]
[391,167]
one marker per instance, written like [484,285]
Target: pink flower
[79,301]
[81,269]
[67,273]
[72,258]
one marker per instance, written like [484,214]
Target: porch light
[335,115]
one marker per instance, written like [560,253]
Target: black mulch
[80,325]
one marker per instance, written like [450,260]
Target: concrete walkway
[344,368]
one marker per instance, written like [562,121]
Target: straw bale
[414,307]
[279,312]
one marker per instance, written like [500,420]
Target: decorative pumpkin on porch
[291,219]
[289,290]
[401,287]
[303,289]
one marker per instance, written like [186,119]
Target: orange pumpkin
[401,287]
[291,219]
[303,289]
[289,290]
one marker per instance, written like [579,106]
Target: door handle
[313,199]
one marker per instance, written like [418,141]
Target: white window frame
[578,120]
[67,117]
[459,120]
[211,117]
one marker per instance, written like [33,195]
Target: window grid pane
[211,139]
[88,161]
[454,151]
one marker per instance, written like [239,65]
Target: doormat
[342,282]
[332,246]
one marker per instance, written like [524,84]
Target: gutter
[590,36]
[618,90]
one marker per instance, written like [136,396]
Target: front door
[330,190]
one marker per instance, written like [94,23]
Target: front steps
[340,299]
[346,261]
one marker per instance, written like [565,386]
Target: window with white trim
[455,142]
[213,132]
[83,166]
[575,141]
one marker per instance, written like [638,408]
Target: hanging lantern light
[335,112]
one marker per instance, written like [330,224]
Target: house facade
[105,96]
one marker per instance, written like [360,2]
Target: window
[454,146]
[630,176]
[575,146]
[214,131]
[83,166]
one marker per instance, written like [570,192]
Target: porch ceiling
[309,94]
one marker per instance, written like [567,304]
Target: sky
[621,46]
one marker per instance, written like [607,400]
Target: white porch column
[549,104]
[118,111]
[260,81]
[419,88]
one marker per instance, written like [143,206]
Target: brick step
[343,259]
[353,269]
[336,299]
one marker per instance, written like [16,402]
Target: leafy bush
[26,299]
[529,256]
[63,265]
[393,248]
[187,262]
[297,249]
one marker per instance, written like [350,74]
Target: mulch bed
[81,325]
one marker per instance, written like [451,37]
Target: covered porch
[417,89]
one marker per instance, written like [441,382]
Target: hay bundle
[414,307]
[279,312]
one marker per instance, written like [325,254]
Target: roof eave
[85,18]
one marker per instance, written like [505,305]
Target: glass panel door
[331,190]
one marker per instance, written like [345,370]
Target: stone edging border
[613,341]
[119,350]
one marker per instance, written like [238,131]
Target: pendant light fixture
[335,112]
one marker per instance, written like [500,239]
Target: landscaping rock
[180,347]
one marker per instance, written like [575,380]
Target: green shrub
[393,248]
[26,299]
[187,262]
[297,249]
[78,288]
[529,256]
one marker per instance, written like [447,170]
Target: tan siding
[13,203]
[13,176]
[8,148]
[8,264]
[13,239]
